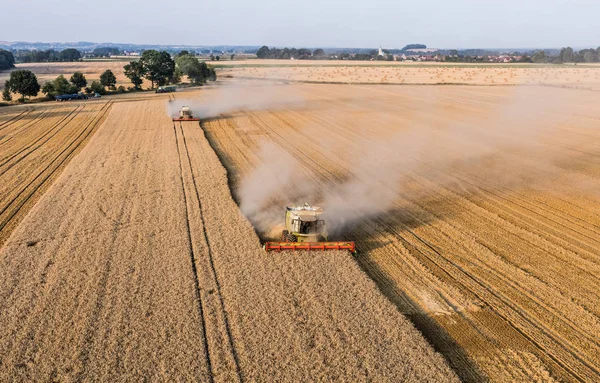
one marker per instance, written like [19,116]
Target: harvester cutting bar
[279,246]
[186,119]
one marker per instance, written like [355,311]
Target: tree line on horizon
[568,55]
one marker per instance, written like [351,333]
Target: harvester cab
[185,114]
[303,224]
[306,230]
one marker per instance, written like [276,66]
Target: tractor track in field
[14,206]
[16,118]
[211,260]
[192,255]
[40,141]
[24,127]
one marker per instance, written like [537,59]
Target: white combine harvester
[306,230]
[185,114]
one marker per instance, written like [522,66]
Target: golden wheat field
[365,72]
[130,246]
[137,264]
[475,209]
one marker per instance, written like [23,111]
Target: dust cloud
[236,97]
[378,172]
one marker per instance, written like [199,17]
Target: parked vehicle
[69,97]
[166,89]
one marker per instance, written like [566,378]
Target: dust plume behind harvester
[185,114]
[306,230]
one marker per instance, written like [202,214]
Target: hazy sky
[332,23]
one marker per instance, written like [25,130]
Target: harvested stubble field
[475,209]
[36,143]
[580,77]
[137,264]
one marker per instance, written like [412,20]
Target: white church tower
[380,51]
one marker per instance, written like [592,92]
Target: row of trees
[160,69]
[568,55]
[157,67]
[77,82]
[105,52]
[287,53]
[7,60]
[198,73]
[25,83]
[49,55]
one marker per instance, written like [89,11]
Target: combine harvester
[305,231]
[185,114]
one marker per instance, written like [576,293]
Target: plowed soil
[137,264]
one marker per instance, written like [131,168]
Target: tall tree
[6,96]
[7,60]
[197,72]
[108,79]
[567,55]
[135,72]
[263,52]
[159,66]
[319,52]
[70,54]
[24,82]
[48,89]
[539,57]
[62,86]
[78,79]
[589,56]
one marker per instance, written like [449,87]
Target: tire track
[211,261]
[14,206]
[192,256]
[16,118]
[47,136]
[58,162]
[23,128]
